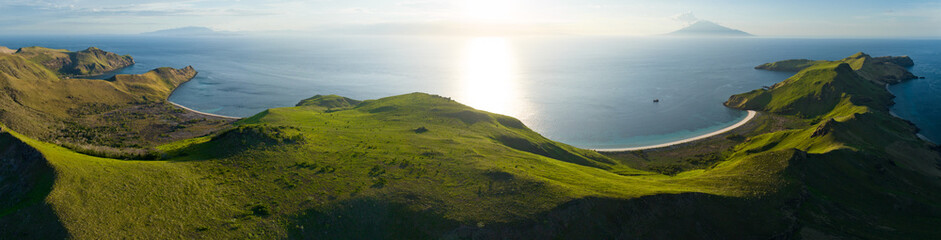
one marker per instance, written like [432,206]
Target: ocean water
[593,92]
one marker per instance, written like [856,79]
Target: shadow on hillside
[666,216]
[38,221]
[25,181]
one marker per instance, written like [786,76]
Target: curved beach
[751,115]
[202,113]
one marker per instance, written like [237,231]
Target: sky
[793,18]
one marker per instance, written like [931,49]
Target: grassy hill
[289,171]
[329,102]
[815,91]
[867,170]
[419,166]
[88,62]
[882,70]
[120,115]
[792,65]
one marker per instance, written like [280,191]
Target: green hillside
[793,65]
[114,117]
[88,62]
[814,92]
[882,70]
[329,102]
[290,169]
[825,159]
[867,174]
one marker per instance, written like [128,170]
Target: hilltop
[88,62]
[823,159]
[889,69]
[703,28]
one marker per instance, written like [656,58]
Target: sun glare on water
[489,76]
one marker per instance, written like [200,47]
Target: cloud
[64,8]
[356,10]
[426,5]
[686,17]
[449,28]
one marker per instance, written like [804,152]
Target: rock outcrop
[903,61]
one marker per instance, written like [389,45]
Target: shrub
[260,210]
[735,137]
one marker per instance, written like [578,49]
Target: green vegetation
[299,165]
[793,65]
[826,159]
[120,117]
[329,102]
[882,70]
[88,62]
[861,160]
[815,91]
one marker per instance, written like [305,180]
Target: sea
[590,92]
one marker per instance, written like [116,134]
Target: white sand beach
[751,115]
[202,113]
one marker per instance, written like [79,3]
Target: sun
[490,10]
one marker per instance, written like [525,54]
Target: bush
[114,153]
[307,165]
[379,183]
[735,137]
[670,170]
[261,210]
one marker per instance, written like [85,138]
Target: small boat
[656,100]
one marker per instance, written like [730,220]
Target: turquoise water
[586,91]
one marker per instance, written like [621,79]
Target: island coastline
[751,115]
[203,113]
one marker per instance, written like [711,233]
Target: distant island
[703,28]
[822,158]
[191,31]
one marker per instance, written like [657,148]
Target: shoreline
[917,134]
[202,113]
[751,115]
[190,109]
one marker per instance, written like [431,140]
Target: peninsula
[823,159]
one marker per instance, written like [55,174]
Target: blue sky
[797,18]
